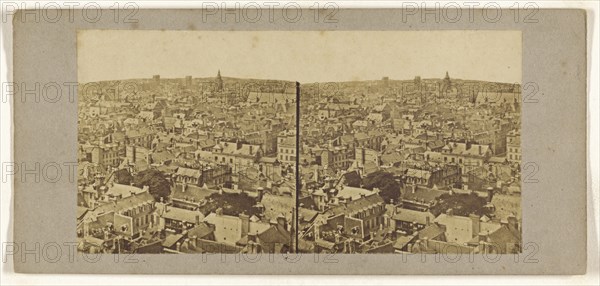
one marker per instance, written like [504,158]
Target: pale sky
[304,56]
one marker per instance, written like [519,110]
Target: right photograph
[409,142]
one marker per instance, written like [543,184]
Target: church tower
[219,81]
[447,82]
[445,86]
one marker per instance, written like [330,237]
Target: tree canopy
[123,177]
[155,180]
[461,204]
[386,182]
[352,179]
[233,204]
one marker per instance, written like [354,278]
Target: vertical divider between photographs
[297,206]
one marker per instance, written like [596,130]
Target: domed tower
[219,81]
[447,83]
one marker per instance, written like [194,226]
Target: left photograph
[186,143]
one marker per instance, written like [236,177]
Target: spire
[446,83]
[219,81]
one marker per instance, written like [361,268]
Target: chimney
[193,242]
[427,221]
[282,221]
[450,212]
[219,212]
[178,246]
[475,224]
[252,237]
[330,182]
[513,223]
[245,223]
[198,219]
[479,149]
[186,244]
[482,247]
[260,192]
[490,194]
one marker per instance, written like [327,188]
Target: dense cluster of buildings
[213,142]
[438,140]
[384,166]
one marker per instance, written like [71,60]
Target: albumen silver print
[198,143]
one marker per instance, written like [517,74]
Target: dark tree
[461,204]
[352,179]
[233,204]
[123,177]
[386,182]
[155,180]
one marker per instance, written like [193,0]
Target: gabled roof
[307,215]
[402,241]
[275,234]
[200,231]
[504,236]
[432,231]
[458,148]
[421,174]
[123,191]
[179,214]
[357,205]
[125,203]
[408,215]
[459,229]
[192,193]
[187,172]
[171,240]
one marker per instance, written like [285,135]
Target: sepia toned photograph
[413,147]
[191,142]
[198,156]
